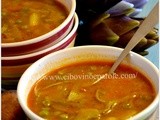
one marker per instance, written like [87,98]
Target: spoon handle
[150,21]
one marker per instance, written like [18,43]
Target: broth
[26,19]
[69,93]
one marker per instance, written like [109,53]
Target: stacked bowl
[18,56]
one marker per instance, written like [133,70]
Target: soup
[72,93]
[26,19]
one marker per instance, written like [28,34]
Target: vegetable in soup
[70,93]
[26,19]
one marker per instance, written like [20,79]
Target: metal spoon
[148,24]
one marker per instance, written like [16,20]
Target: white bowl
[84,53]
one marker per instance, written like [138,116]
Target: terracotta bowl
[14,66]
[57,34]
[82,54]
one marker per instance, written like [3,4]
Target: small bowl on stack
[18,56]
[21,46]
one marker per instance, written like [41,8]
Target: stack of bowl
[18,56]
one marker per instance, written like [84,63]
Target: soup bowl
[57,34]
[14,66]
[84,54]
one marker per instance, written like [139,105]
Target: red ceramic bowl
[14,66]
[19,48]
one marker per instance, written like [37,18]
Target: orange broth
[69,93]
[26,19]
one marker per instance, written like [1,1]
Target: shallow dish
[79,54]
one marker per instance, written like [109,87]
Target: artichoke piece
[4,28]
[125,12]
[138,3]
[150,43]
[88,114]
[143,53]
[109,106]
[99,19]
[102,34]
[152,34]
[142,43]
[125,38]
[121,24]
[156,38]
[100,95]
[44,112]
[122,8]
[74,96]
[34,19]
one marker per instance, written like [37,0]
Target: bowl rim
[46,35]
[141,114]
[70,34]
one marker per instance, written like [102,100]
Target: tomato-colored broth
[26,19]
[70,93]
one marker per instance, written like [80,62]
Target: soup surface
[71,93]
[27,19]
